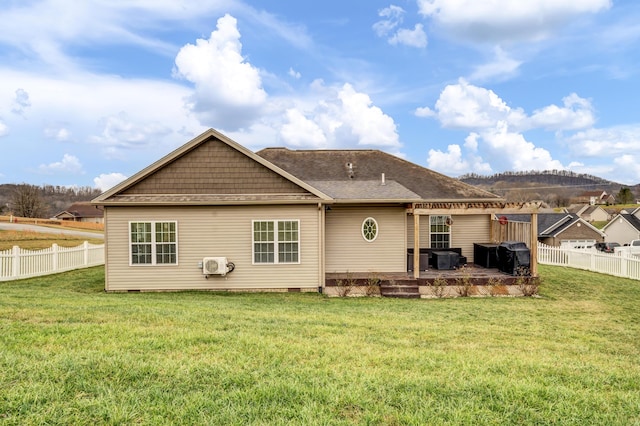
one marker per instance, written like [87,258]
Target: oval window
[369,229]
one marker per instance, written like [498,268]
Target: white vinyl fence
[19,263]
[619,264]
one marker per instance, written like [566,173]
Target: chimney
[384,182]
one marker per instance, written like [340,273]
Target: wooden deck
[400,284]
[477,274]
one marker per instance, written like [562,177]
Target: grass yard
[72,354]
[39,240]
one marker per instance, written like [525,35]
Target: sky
[93,91]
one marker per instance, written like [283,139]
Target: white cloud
[511,149]
[4,129]
[424,112]
[603,142]
[66,106]
[465,106]
[496,129]
[228,89]
[577,113]
[389,28]
[59,133]
[505,21]
[414,38]
[298,130]
[471,142]
[368,123]
[21,102]
[108,180]
[452,162]
[338,117]
[619,146]
[501,66]
[96,22]
[295,74]
[626,160]
[68,164]
[119,131]
[393,17]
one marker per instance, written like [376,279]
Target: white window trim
[449,219]
[153,243]
[377,229]
[276,260]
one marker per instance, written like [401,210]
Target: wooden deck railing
[511,231]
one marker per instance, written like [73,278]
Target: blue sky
[93,91]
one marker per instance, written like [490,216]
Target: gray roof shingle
[368,166]
[548,223]
[365,190]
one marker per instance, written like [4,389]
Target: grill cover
[514,258]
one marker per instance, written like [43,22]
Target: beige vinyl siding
[470,229]
[620,231]
[424,232]
[466,230]
[212,231]
[347,250]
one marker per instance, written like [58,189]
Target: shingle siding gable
[214,167]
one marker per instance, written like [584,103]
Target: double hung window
[276,241]
[153,243]
[440,231]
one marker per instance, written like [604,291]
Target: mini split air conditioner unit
[215,266]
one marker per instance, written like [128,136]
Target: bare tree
[27,201]
[522,195]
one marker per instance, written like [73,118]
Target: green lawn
[72,354]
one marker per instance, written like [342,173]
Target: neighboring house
[556,229]
[283,219]
[590,213]
[596,197]
[82,212]
[623,228]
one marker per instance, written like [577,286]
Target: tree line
[587,178]
[25,200]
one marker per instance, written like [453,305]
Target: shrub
[439,285]
[373,285]
[345,286]
[495,286]
[463,284]
[528,287]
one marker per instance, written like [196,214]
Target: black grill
[514,258]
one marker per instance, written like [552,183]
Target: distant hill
[547,177]
[556,187]
[55,198]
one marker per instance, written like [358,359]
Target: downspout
[416,245]
[321,254]
[106,248]
[534,245]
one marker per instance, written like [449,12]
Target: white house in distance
[623,228]
[213,215]
[590,213]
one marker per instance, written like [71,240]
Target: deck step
[406,291]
